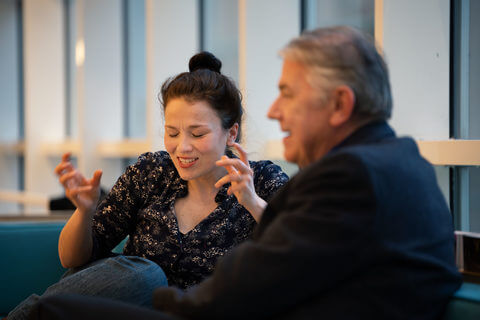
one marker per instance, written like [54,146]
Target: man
[361,232]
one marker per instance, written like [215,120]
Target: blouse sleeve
[268,178]
[115,215]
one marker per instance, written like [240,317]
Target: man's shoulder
[384,157]
[389,151]
[373,142]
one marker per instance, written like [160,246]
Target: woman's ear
[344,100]
[232,134]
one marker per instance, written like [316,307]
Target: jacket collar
[371,132]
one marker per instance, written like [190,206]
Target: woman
[182,209]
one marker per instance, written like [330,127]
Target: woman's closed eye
[172,133]
[198,134]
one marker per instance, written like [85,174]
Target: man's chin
[290,157]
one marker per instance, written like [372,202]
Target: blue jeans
[126,278]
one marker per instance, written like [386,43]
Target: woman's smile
[186,162]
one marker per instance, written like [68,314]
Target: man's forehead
[293,72]
[292,65]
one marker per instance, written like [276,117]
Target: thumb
[97,176]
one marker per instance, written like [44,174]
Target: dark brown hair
[204,82]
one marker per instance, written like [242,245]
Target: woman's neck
[203,188]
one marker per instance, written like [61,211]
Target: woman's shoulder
[268,178]
[265,167]
[152,163]
[154,158]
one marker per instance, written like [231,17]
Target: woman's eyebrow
[193,126]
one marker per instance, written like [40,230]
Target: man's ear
[343,98]
[232,134]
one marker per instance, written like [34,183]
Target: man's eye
[172,135]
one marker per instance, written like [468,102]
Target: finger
[230,168]
[242,181]
[228,178]
[235,190]
[63,167]
[66,157]
[236,164]
[73,179]
[97,176]
[232,189]
[65,177]
[242,153]
[222,181]
[72,193]
[65,160]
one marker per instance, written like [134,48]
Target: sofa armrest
[465,304]
[29,260]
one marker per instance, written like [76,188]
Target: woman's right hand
[83,193]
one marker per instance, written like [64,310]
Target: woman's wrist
[86,212]
[256,209]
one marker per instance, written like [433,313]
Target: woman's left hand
[240,175]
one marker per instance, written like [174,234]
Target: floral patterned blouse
[141,205]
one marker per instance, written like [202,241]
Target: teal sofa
[465,304]
[29,260]
[29,264]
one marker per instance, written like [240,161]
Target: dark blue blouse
[141,204]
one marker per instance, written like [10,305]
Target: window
[465,110]
[11,97]
[323,13]
[105,107]
[220,33]
[134,68]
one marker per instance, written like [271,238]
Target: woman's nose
[184,144]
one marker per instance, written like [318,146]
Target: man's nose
[273,110]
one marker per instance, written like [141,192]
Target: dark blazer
[364,233]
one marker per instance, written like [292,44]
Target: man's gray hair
[345,56]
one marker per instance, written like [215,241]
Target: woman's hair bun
[204,60]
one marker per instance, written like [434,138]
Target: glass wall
[356,13]
[134,68]
[11,101]
[466,111]
[474,111]
[108,110]
[220,33]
